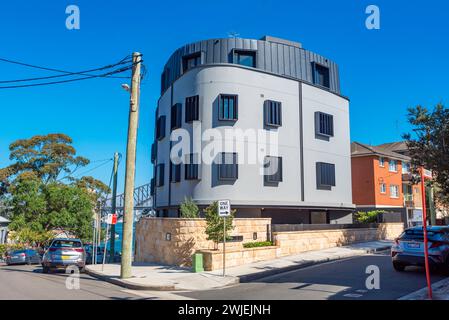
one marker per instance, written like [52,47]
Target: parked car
[25,256]
[100,252]
[63,253]
[408,249]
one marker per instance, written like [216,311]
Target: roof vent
[281,41]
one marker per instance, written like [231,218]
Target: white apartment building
[255,87]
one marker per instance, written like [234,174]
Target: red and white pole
[424,222]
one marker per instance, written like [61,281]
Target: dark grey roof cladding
[278,56]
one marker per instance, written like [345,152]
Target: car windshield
[66,244]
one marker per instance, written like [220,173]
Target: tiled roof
[360,149]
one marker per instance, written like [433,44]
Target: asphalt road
[340,280]
[22,282]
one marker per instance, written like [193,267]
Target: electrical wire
[66,73]
[69,80]
[95,168]
[63,75]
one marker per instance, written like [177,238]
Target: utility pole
[128,213]
[114,206]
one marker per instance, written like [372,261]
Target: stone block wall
[300,241]
[187,236]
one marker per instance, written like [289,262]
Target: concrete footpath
[148,276]
[440,291]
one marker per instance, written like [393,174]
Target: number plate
[413,245]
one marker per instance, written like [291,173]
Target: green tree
[40,187]
[429,146]
[368,216]
[189,209]
[215,224]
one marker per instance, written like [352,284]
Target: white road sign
[224,208]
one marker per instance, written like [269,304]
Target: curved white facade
[298,144]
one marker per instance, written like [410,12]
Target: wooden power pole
[128,213]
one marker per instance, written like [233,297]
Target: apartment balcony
[407,177]
[408,201]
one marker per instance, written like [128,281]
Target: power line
[70,80]
[67,73]
[124,60]
[95,168]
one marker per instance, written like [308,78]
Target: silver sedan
[26,256]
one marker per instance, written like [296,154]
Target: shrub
[257,244]
[368,216]
[214,224]
[189,209]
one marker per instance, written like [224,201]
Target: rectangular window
[176,116]
[192,109]
[228,166]
[191,168]
[325,175]
[408,192]
[273,169]
[191,61]
[393,166]
[165,79]
[383,188]
[160,168]
[160,128]
[321,75]
[324,124]
[152,185]
[381,162]
[273,113]
[405,167]
[153,152]
[245,58]
[394,191]
[228,109]
[175,172]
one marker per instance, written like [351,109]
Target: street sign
[224,208]
[112,218]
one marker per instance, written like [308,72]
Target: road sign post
[224,210]
[425,174]
[111,220]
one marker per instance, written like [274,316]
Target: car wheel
[398,267]
[45,269]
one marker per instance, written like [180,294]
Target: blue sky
[382,71]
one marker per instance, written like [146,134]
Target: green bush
[257,244]
[189,209]
[368,216]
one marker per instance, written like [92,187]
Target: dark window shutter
[160,128]
[191,169]
[192,109]
[160,174]
[273,113]
[176,116]
[325,175]
[228,166]
[324,124]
